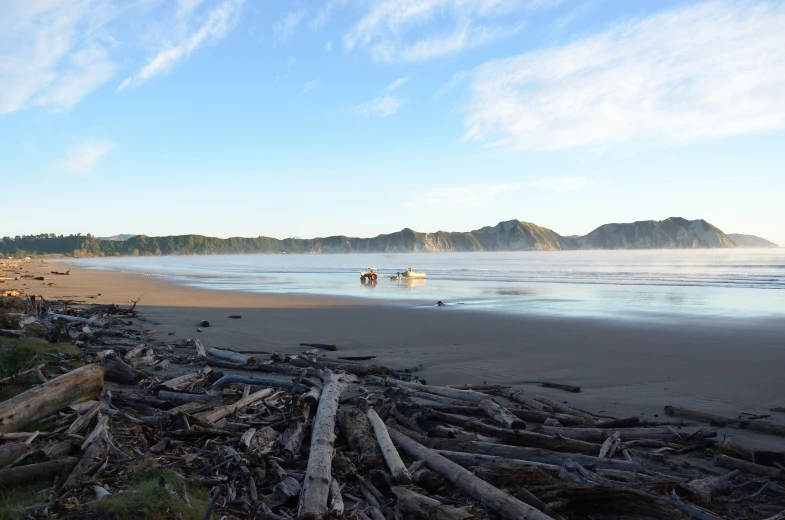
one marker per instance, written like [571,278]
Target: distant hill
[750,240]
[118,238]
[511,235]
[672,233]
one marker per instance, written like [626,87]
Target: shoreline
[625,368]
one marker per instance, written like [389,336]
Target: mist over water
[615,284]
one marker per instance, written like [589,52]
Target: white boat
[409,274]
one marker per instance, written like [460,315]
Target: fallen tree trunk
[508,506]
[717,420]
[599,435]
[29,407]
[519,397]
[231,357]
[42,470]
[318,475]
[452,393]
[425,507]
[749,467]
[261,381]
[563,408]
[117,371]
[394,462]
[11,451]
[180,398]
[76,319]
[501,415]
[519,437]
[356,428]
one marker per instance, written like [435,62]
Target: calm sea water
[634,284]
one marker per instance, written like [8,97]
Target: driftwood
[704,490]
[318,475]
[501,415]
[42,470]
[231,357]
[231,409]
[506,505]
[599,435]
[11,451]
[336,500]
[29,407]
[394,462]
[117,371]
[749,467]
[563,408]
[323,346]
[259,381]
[76,319]
[180,398]
[356,428]
[424,507]
[452,393]
[717,420]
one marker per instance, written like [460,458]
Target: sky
[360,117]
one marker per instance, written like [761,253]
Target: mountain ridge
[510,235]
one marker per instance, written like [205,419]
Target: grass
[18,354]
[146,499]
[14,498]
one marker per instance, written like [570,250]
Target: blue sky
[359,117]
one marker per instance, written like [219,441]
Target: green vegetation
[14,498]
[20,354]
[147,499]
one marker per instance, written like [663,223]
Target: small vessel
[409,274]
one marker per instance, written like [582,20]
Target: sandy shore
[720,366]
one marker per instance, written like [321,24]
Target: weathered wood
[452,393]
[81,423]
[97,449]
[11,451]
[704,490]
[717,420]
[563,408]
[336,500]
[599,435]
[323,346]
[506,505]
[43,470]
[356,428]
[519,437]
[294,435]
[231,357]
[117,371]
[177,382]
[29,407]
[524,453]
[390,454]
[561,386]
[500,415]
[77,319]
[688,509]
[519,397]
[231,409]
[318,475]
[233,379]
[749,467]
[180,398]
[425,507]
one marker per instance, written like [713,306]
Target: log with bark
[356,428]
[424,507]
[501,415]
[43,470]
[117,371]
[390,454]
[29,407]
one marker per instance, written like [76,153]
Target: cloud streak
[480,195]
[217,23]
[284,29]
[392,30]
[702,72]
[382,106]
[84,158]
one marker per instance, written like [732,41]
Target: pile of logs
[309,436]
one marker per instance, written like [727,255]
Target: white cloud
[388,29]
[285,28]
[398,83]
[383,106]
[478,195]
[215,25]
[308,87]
[325,13]
[701,72]
[52,53]
[84,158]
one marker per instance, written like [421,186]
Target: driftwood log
[506,505]
[425,507]
[318,475]
[717,420]
[501,415]
[27,408]
[42,470]
[356,428]
[394,462]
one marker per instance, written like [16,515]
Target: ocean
[650,284]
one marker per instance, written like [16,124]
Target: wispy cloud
[328,46]
[83,159]
[308,87]
[216,23]
[53,53]
[383,106]
[479,195]
[284,28]
[389,28]
[398,83]
[325,13]
[700,72]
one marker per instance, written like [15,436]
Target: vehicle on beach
[409,274]
[370,274]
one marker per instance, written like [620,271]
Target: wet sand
[625,368]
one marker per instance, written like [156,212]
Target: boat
[409,274]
